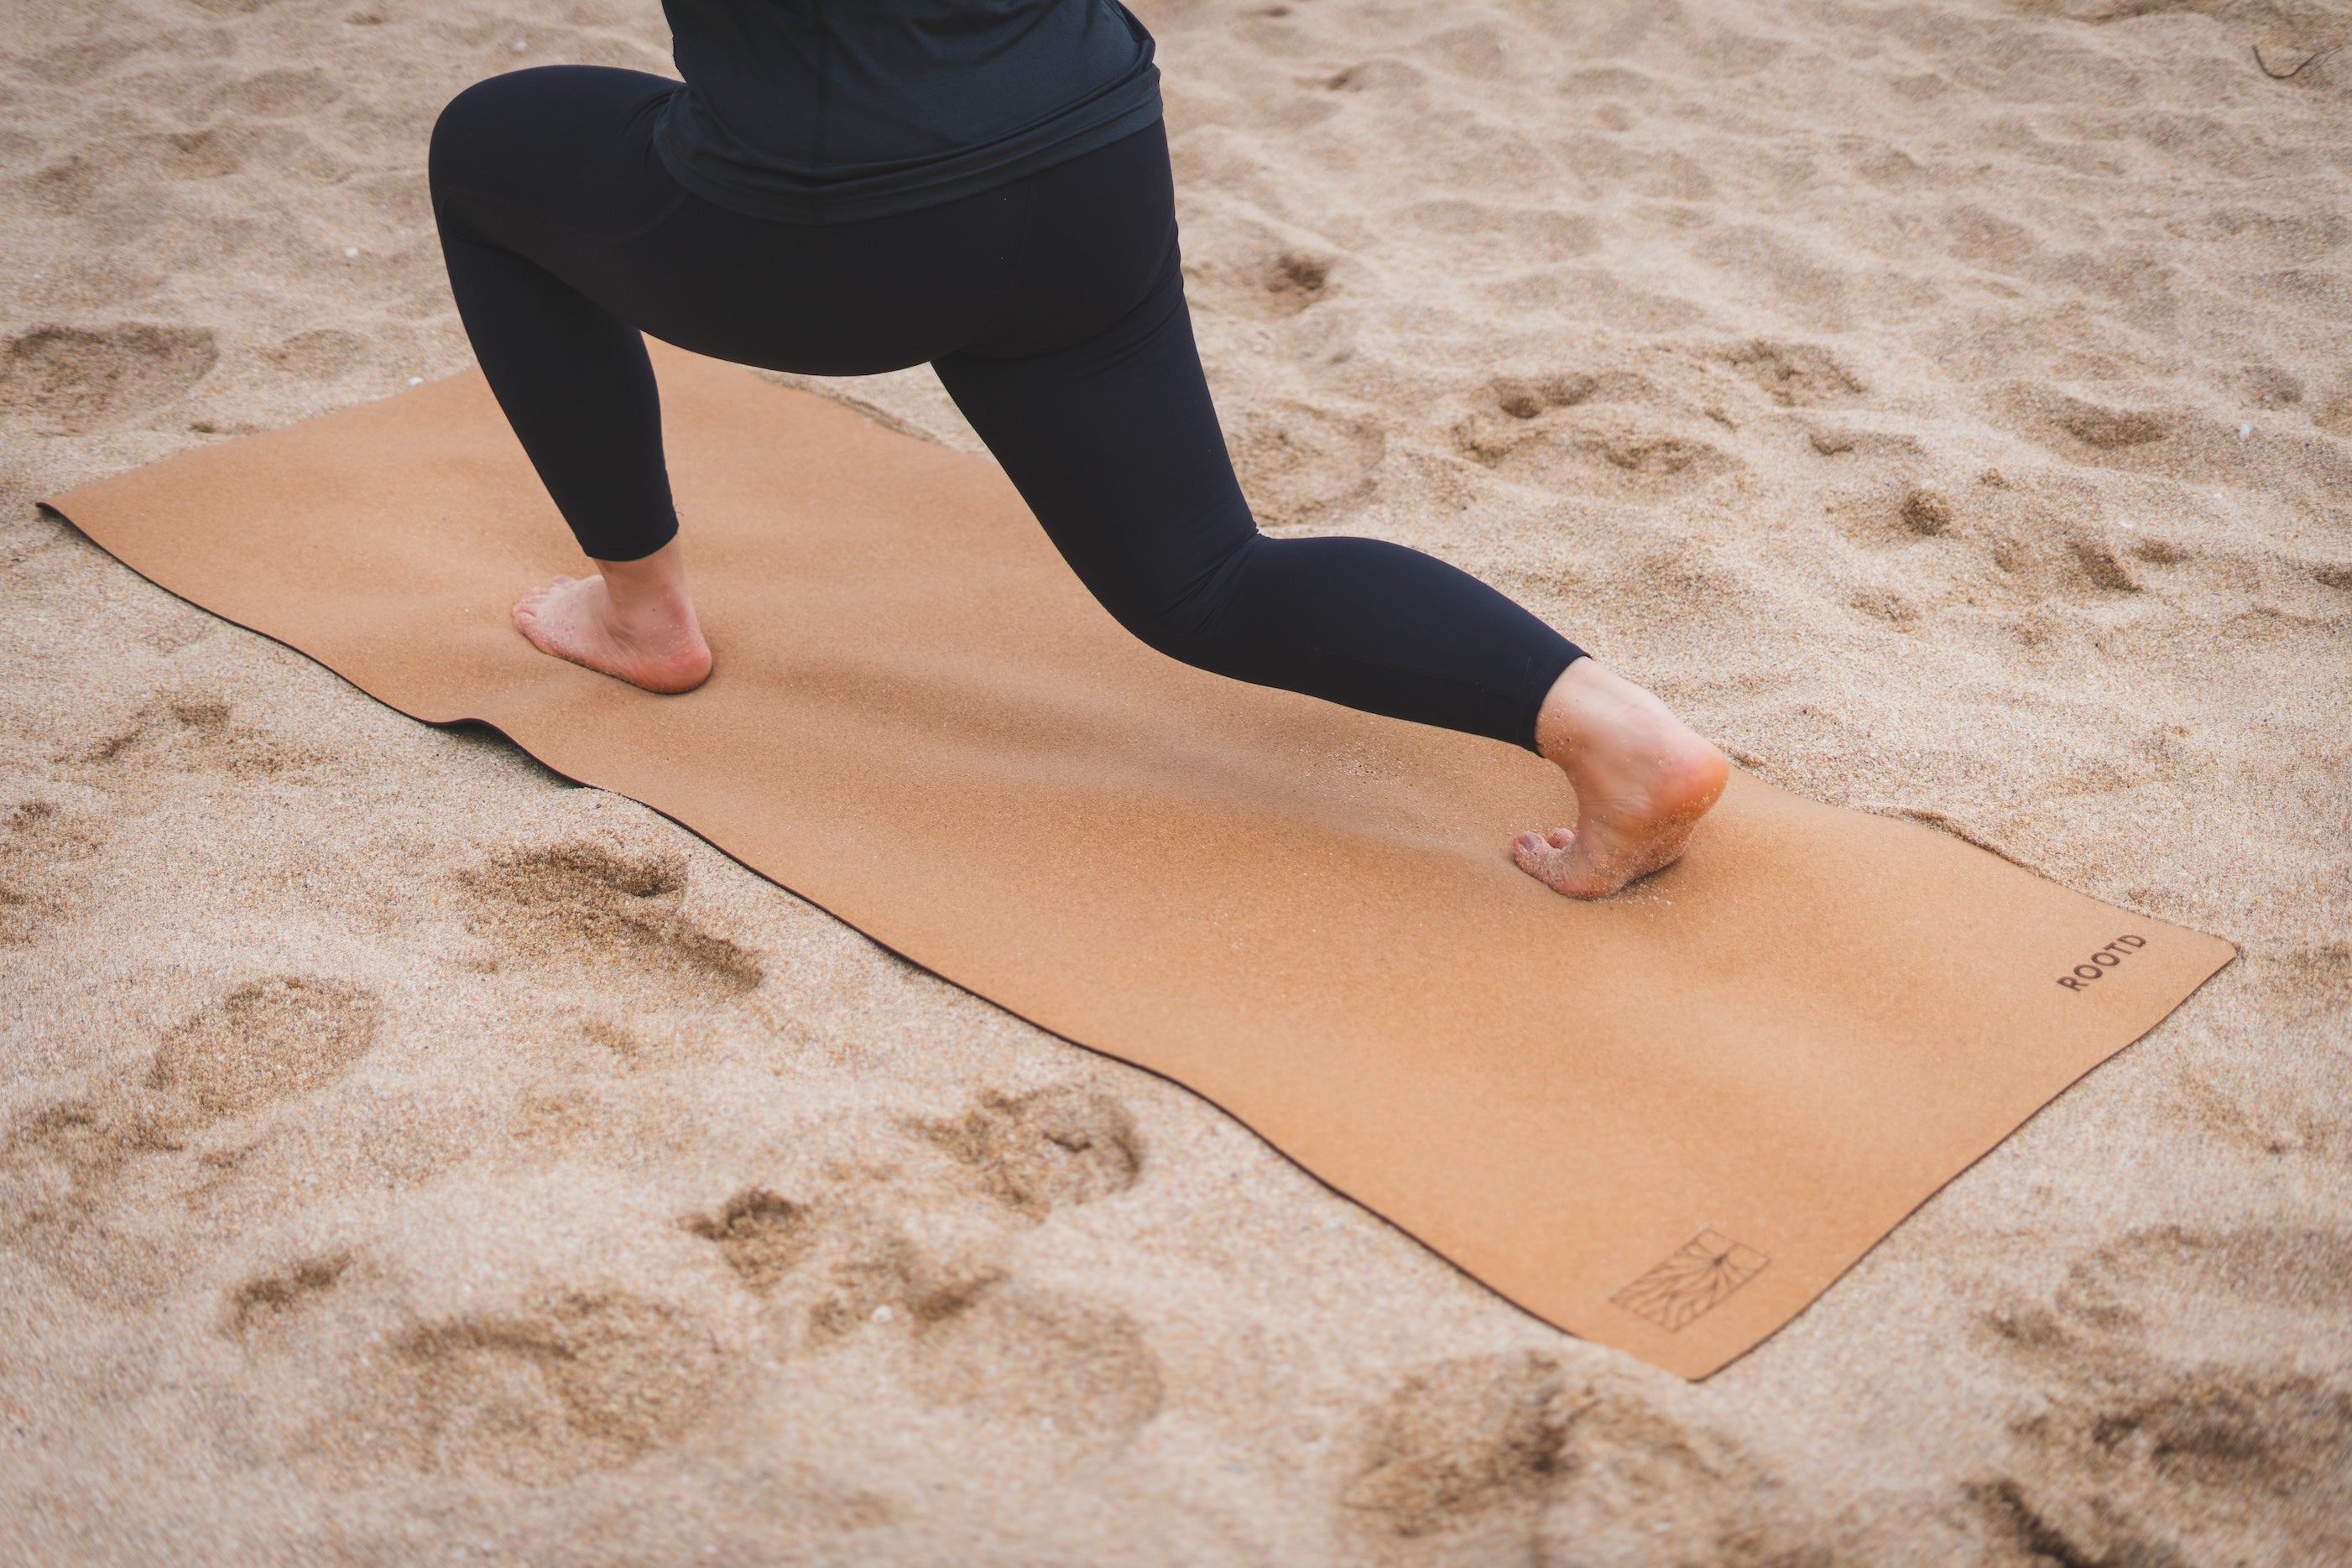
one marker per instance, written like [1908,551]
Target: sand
[407,1156]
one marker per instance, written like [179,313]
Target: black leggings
[1052,308]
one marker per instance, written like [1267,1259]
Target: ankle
[1591,712]
[648,596]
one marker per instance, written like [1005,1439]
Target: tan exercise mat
[1666,1122]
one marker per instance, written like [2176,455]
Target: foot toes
[1539,858]
[533,605]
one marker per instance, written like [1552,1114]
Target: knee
[1187,619]
[463,130]
[473,125]
[1177,636]
[476,139]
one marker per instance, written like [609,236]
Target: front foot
[651,642]
[1642,780]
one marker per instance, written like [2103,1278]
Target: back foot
[1642,780]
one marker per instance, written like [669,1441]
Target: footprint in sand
[959,1330]
[2314,473]
[1584,432]
[39,843]
[265,1305]
[1794,375]
[1030,1356]
[1035,1152]
[1505,1457]
[61,1168]
[264,1041]
[1553,431]
[319,356]
[211,153]
[966,1335]
[1243,275]
[590,904]
[65,381]
[760,1235]
[2266,387]
[2193,1403]
[533,1392]
[199,734]
[1870,445]
[1926,513]
[1456,1444]
[2045,539]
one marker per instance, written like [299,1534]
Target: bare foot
[633,622]
[1642,780]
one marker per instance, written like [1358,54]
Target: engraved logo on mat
[2096,965]
[1700,1275]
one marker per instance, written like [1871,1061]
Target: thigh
[842,299]
[1098,238]
[1114,443]
[536,158]
[557,165]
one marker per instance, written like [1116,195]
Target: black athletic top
[833,110]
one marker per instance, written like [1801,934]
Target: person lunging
[983,185]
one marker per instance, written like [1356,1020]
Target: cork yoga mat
[1665,1122]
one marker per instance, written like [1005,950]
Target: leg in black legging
[1115,446]
[1054,310]
[534,167]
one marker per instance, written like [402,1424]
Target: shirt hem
[907,190]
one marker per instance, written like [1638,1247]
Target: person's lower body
[1053,310]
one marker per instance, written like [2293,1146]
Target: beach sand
[406,1156]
